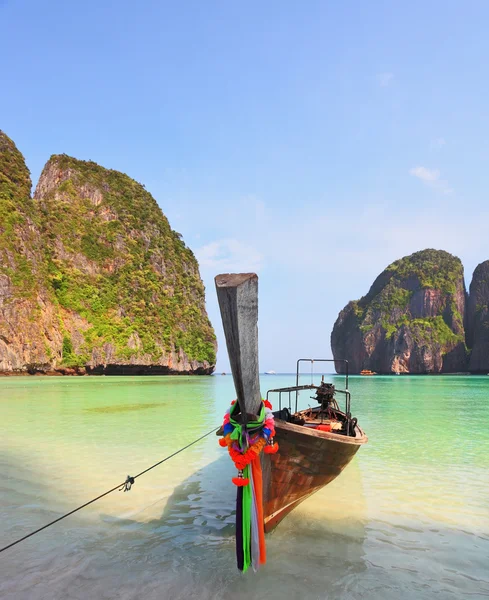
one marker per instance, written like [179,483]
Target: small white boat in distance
[270,373]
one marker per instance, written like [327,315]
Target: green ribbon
[246,512]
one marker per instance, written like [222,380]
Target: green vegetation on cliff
[20,258]
[433,269]
[434,331]
[15,178]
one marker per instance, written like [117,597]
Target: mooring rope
[126,486]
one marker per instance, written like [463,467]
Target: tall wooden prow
[238,300]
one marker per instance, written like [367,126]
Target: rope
[126,486]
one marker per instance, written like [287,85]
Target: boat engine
[325,395]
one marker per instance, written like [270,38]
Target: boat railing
[298,388]
[289,390]
[347,408]
[312,361]
[319,360]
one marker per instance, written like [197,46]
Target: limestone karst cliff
[92,277]
[410,321]
[478,319]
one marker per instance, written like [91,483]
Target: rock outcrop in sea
[411,320]
[92,277]
[478,319]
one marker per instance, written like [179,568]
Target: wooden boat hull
[307,460]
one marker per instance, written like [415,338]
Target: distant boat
[270,373]
[367,372]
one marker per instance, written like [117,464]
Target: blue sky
[311,142]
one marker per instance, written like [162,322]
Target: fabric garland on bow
[245,443]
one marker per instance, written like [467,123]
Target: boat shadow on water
[197,527]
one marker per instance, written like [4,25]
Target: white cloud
[229,256]
[425,174]
[431,177]
[385,79]
[437,143]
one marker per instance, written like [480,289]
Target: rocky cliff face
[92,276]
[478,319]
[411,320]
[22,265]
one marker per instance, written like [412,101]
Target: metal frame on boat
[298,388]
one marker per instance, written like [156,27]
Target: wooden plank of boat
[308,460]
[238,301]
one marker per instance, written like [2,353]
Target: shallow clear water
[408,519]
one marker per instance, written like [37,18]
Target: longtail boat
[315,444]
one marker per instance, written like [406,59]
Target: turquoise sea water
[408,519]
